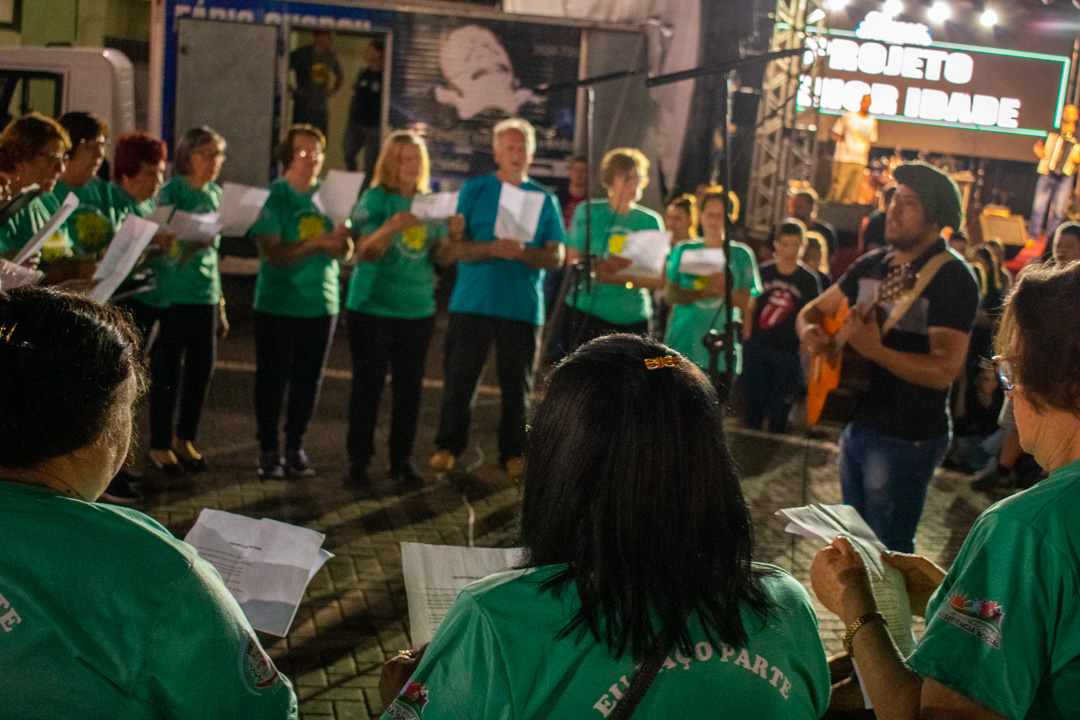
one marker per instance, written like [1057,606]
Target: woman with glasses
[182,360]
[1002,639]
[33,151]
[93,223]
[296,302]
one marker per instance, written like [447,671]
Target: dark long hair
[630,484]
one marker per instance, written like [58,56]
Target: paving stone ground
[354,613]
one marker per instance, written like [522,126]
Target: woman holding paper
[698,296]
[391,303]
[184,352]
[33,151]
[296,302]
[616,302]
[104,612]
[92,224]
[1002,639]
[637,558]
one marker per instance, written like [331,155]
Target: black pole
[729,278]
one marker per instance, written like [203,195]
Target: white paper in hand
[338,194]
[51,226]
[519,213]
[703,261]
[647,250]
[191,227]
[239,208]
[13,276]
[127,245]
[162,215]
[435,574]
[265,564]
[434,207]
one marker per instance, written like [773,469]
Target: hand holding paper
[124,251]
[519,214]
[51,226]
[338,194]
[435,207]
[647,250]
[703,261]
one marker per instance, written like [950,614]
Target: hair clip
[5,336]
[661,362]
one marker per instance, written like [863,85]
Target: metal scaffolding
[785,143]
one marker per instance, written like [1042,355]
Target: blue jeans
[770,377]
[885,479]
[1053,191]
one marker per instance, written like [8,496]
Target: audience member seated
[637,551]
[1001,637]
[104,612]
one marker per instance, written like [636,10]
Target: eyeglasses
[315,154]
[1004,372]
[211,153]
[97,144]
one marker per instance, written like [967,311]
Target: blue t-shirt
[501,288]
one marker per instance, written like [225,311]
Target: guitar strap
[922,280]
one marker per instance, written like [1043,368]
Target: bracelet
[854,628]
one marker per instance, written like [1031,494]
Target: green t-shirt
[124,205]
[1004,627]
[496,656]
[92,226]
[19,229]
[106,614]
[402,283]
[194,278]
[611,303]
[305,289]
[689,323]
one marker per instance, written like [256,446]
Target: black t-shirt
[893,406]
[782,297]
[367,99]
[313,71]
[829,233]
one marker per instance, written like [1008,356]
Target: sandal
[165,461]
[189,458]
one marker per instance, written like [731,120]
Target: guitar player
[900,429]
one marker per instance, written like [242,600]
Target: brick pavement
[354,614]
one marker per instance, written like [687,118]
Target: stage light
[989,18]
[892,8]
[939,12]
[815,17]
[837,5]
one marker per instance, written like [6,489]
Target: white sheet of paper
[13,276]
[192,227]
[434,207]
[265,564]
[162,215]
[825,522]
[239,208]
[435,574]
[647,249]
[338,194]
[519,213]
[34,245]
[131,239]
[703,261]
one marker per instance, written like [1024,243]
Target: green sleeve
[575,238]
[673,262]
[463,673]
[370,211]
[744,269]
[1004,618]
[269,220]
[204,660]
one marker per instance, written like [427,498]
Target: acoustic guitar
[825,368]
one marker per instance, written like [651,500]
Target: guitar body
[825,368]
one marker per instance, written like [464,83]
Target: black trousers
[379,344]
[583,327]
[145,319]
[468,339]
[181,364]
[290,354]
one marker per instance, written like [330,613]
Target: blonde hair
[388,166]
[620,161]
[816,239]
[521,125]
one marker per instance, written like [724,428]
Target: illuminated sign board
[934,83]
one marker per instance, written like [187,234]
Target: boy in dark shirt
[771,365]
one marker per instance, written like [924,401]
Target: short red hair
[133,150]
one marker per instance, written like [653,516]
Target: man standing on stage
[313,64]
[365,112]
[901,426]
[1058,156]
[498,297]
[854,133]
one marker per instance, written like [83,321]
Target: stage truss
[785,142]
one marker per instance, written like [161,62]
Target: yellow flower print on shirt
[92,231]
[311,227]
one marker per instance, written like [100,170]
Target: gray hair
[191,141]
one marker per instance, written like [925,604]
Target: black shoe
[120,492]
[357,475]
[297,464]
[270,465]
[407,475]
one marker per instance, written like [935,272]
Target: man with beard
[916,344]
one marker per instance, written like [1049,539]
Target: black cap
[937,192]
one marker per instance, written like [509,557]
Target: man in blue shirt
[498,297]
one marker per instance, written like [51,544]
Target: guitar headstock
[901,279]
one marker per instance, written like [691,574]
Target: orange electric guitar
[825,368]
